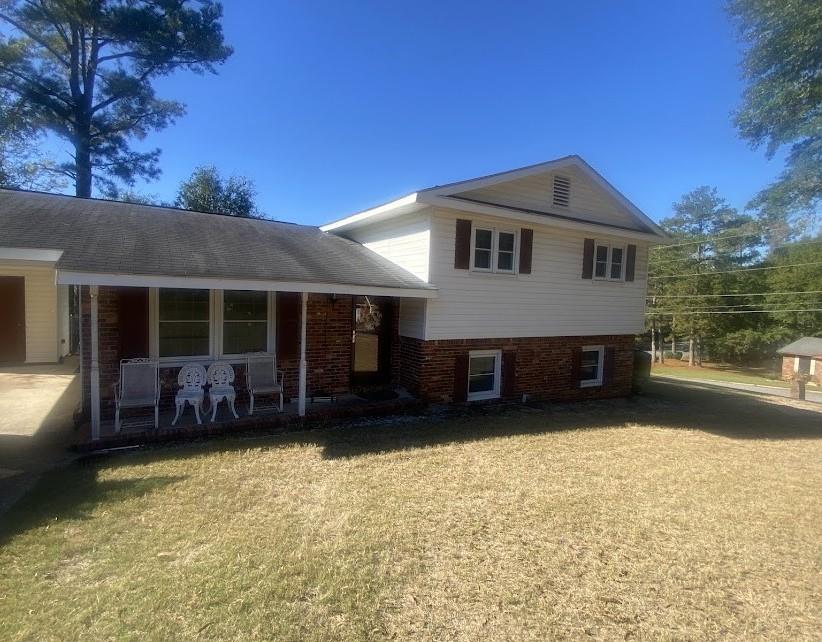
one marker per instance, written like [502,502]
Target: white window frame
[592,383]
[608,261]
[495,232]
[215,330]
[490,394]
[220,307]
[474,249]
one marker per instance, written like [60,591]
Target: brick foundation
[543,366]
[426,368]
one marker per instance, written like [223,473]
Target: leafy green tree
[21,166]
[207,191]
[85,69]
[712,240]
[782,105]
[804,276]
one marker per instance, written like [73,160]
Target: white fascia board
[537,219]
[369,215]
[29,254]
[68,277]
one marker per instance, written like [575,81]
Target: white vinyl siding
[551,301]
[586,200]
[412,318]
[404,241]
[42,343]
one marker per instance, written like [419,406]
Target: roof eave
[374,214]
[79,277]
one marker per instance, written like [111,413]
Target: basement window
[590,367]
[484,374]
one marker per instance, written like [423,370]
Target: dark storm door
[132,315]
[371,356]
[12,318]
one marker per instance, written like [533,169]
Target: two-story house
[541,276]
[529,283]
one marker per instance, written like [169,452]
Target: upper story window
[609,261]
[184,320]
[494,250]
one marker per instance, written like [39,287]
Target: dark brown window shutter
[630,263]
[508,373]
[133,322]
[576,366]
[461,377]
[588,259]
[526,249]
[608,366]
[462,245]
[288,325]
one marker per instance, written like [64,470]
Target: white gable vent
[562,191]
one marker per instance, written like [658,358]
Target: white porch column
[95,366]
[303,362]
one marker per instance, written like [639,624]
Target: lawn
[682,514]
[719,372]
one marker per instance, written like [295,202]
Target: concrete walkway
[813,396]
[36,410]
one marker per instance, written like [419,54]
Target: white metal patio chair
[138,387]
[220,376]
[263,378]
[191,379]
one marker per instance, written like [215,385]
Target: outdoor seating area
[138,390]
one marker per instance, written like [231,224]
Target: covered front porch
[338,351]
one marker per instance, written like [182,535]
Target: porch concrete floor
[134,427]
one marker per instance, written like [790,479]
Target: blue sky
[332,107]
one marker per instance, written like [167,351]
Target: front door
[12,318]
[373,319]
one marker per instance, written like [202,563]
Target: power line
[707,240]
[770,307]
[674,313]
[729,254]
[691,296]
[772,267]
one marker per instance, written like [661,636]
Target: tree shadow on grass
[73,493]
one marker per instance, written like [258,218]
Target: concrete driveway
[36,408]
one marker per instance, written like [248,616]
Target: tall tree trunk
[653,341]
[661,348]
[699,351]
[82,163]
[691,350]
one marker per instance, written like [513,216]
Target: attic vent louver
[562,191]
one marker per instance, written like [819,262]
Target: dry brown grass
[687,514]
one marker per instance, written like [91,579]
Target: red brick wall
[543,366]
[328,331]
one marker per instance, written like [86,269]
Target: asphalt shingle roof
[804,347]
[121,238]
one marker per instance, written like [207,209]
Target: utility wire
[674,313]
[755,269]
[707,240]
[691,296]
[731,254]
